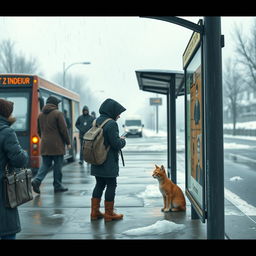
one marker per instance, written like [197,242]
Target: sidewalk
[67,215]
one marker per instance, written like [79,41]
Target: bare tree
[233,87]
[11,62]
[7,56]
[246,49]
[78,85]
[23,65]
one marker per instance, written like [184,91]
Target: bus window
[60,105]
[41,103]
[20,110]
[45,95]
[76,112]
[67,112]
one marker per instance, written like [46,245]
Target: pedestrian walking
[12,154]
[83,124]
[93,114]
[106,173]
[53,132]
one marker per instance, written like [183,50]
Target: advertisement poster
[194,105]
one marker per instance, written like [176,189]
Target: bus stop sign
[155,101]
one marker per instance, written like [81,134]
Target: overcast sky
[115,46]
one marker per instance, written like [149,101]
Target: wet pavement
[67,215]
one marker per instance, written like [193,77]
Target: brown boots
[109,211]
[95,209]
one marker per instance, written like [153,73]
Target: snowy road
[239,165]
[240,148]
[240,173]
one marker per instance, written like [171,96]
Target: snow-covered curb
[245,125]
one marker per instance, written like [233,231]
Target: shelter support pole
[172,122]
[214,128]
[168,133]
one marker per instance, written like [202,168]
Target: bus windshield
[20,109]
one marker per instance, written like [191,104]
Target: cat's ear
[156,166]
[162,168]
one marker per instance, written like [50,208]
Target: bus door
[68,118]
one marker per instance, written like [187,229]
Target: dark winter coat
[11,153]
[52,130]
[110,168]
[84,123]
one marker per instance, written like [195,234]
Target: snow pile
[159,228]
[236,178]
[240,137]
[236,145]
[151,133]
[245,125]
[152,191]
[145,147]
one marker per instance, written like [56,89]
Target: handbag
[17,186]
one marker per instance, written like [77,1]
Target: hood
[6,121]
[111,108]
[49,108]
[6,108]
[3,121]
[85,108]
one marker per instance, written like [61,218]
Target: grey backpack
[94,150]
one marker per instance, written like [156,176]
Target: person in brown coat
[53,132]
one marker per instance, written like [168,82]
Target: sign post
[156,102]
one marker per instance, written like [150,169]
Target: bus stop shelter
[171,84]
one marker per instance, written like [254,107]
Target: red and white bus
[29,94]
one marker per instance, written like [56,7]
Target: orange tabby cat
[173,196]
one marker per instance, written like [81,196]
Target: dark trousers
[81,150]
[57,170]
[101,183]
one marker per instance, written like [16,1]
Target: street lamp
[65,69]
